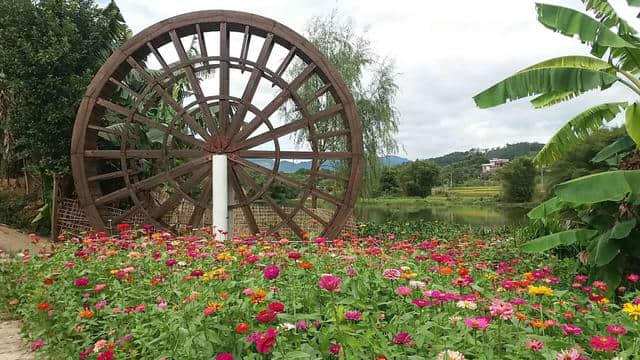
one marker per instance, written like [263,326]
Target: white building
[493,165]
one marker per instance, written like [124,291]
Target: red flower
[107,355]
[242,328]
[124,227]
[277,307]
[295,255]
[604,343]
[266,316]
[43,306]
[266,341]
[334,349]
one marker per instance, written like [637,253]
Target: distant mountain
[509,151]
[287,166]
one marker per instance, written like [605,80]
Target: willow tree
[614,61]
[349,50]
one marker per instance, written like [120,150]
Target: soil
[12,346]
[14,241]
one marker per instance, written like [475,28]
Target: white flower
[417,284]
[465,304]
[286,326]
[450,355]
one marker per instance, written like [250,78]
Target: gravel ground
[12,347]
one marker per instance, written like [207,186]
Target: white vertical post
[219,182]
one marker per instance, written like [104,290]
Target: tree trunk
[631,161]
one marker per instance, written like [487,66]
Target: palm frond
[576,129]
[552,98]
[608,15]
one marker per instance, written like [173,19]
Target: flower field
[158,296]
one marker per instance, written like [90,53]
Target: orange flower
[224,296]
[258,296]
[86,314]
[305,265]
[43,306]
[242,328]
[537,323]
[446,271]
[48,281]
[520,316]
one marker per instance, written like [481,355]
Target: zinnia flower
[616,330]
[478,323]
[334,349]
[353,315]
[224,356]
[502,309]
[242,328]
[392,274]
[277,307]
[266,341]
[37,344]
[266,316]
[82,282]
[571,329]
[572,354]
[330,283]
[632,309]
[540,290]
[271,272]
[402,338]
[450,355]
[403,290]
[604,343]
[421,302]
[534,345]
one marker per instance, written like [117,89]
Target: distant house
[493,165]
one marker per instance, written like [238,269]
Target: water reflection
[459,214]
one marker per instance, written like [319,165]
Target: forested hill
[510,151]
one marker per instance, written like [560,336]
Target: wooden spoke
[281,213]
[290,127]
[111,175]
[168,98]
[285,63]
[332,176]
[201,205]
[266,154]
[252,86]
[195,83]
[244,51]
[104,130]
[162,61]
[276,103]
[142,154]
[146,121]
[317,94]
[202,44]
[223,115]
[290,182]
[173,201]
[152,181]
[332,134]
[120,84]
[242,199]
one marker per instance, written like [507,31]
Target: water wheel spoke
[202,44]
[286,61]
[152,181]
[201,204]
[143,154]
[175,198]
[290,127]
[252,85]
[194,82]
[288,181]
[151,123]
[278,210]
[327,175]
[276,103]
[223,114]
[268,154]
[111,175]
[242,199]
[317,94]
[166,97]
[244,51]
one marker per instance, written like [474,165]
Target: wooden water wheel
[217,82]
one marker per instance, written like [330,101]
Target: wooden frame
[211,123]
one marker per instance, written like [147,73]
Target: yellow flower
[632,309]
[540,290]
[603,301]
[215,305]
[225,256]
[114,272]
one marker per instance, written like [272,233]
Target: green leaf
[576,130]
[607,15]
[628,59]
[622,229]
[632,123]
[633,2]
[619,146]
[572,23]
[595,188]
[546,208]
[553,98]
[297,355]
[539,81]
[562,238]
[606,249]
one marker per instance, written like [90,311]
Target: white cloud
[445,53]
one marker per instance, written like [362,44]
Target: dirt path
[12,346]
[13,241]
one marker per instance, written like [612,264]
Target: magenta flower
[330,283]
[633,277]
[534,345]
[421,302]
[571,329]
[171,262]
[271,272]
[616,330]
[402,338]
[478,323]
[224,356]
[334,349]
[37,344]
[604,343]
[82,282]
[353,315]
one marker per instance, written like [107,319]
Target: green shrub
[518,180]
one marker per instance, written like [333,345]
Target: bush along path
[154,295]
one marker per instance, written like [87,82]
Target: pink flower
[353,315]
[571,329]
[478,323]
[101,304]
[37,344]
[534,345]
[403,290]
[99,287]
[616,330]
[633,277]
[82,282]
[421,302]
[351,272]
[224,356]
[330,283]
[604,343]
[402,338]
[571,354]
[171,262]
[271,272]
[392,274]
[502,309]
[334,349]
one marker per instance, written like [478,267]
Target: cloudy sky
[445,52]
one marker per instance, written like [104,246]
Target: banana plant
[614,61]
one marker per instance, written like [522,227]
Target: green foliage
[389,182]
[14,210]
[350,52]
[466,169]
[509,151]
[50,50]
[518,180]
[418,177]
